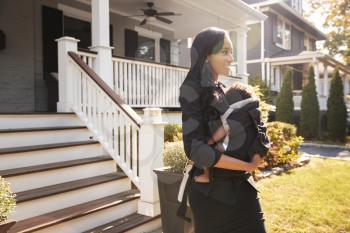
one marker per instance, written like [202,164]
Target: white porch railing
[147,84]
[116,126]
[135,143]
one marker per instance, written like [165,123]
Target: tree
[266,94]
[310,109]
[336,110]
[285,104]
[337,21]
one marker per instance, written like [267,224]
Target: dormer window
[297,5]
[283,37]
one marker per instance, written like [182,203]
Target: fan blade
[143,21]
[133,15]
[167,13]
[164,20]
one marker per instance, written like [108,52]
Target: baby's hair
[239,91]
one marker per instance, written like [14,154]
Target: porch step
[43,200]
[20,137]
[20,130]
[60,220]
[25,178]
[125,224]
[66,187]
[52,166]
[35,119]
[24,156]
[20,149]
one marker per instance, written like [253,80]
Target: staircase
[64,180]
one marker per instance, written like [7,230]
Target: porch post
[278,79]
[151,157]
[100,40]
[346,84]
[268,71]
[65,98]
[317,75]
[325,81]
[242,53]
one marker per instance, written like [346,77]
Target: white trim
[148,33]
[254,61]
[74,12]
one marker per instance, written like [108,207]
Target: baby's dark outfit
[245,132]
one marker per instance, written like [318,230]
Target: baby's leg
[204,178]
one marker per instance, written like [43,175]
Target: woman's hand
[253,165]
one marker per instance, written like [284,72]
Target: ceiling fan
[151,14]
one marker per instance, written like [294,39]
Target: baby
[242,134]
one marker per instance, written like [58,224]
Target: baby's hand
[210,141]
[220,147]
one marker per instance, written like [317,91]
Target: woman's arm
[194,134]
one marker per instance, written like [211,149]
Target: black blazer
[199,122]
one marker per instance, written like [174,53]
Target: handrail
[135,59]
[108,90]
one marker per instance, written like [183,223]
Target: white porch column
[278,78]
[65,95]
[151,157]
[346,84]
[316,65]
[325,81]
[100,40]
[263,77]
[242,53]
[268,72]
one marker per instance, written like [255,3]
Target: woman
[229,202]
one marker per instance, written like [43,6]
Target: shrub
[285,104]
[7,200]
[172,133]
[284,143]
[265,92]
[174,156]
[310,109]
[264,107]
[336,110]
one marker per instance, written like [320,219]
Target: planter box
[5,226]
[169,185]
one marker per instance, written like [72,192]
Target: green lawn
[310,199]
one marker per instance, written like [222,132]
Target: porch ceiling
[196,15]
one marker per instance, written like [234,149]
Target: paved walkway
[332,151]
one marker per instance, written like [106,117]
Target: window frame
[284,44]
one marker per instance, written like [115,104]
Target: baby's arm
[217,136]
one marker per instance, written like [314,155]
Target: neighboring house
[287,41]
[78,139]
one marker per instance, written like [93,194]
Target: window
[297,5]
[283,37]
[287,36]
[146,48]
[279,40]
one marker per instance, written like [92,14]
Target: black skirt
[212,216]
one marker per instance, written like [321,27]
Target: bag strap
[181,211]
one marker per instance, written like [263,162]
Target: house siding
[254,69]
[254,42]
[17,80]
[271,50]
[22,86]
